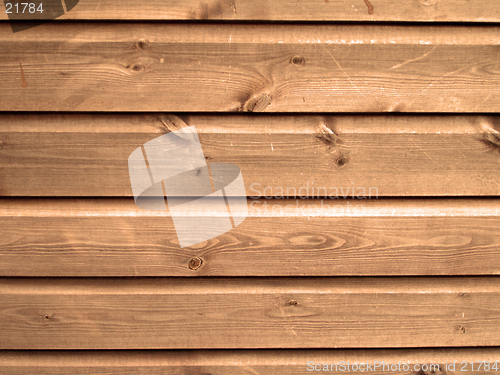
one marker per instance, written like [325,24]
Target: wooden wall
[398,98]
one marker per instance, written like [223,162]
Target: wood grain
[114,67]
[236,362]
[294,155]
[112,237]
[249,313]
[295,10]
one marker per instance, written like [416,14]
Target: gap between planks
[236,358]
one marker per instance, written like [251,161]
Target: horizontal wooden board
[249,313]
[276,10]
[294,155]
[89,237]
[244,362]
[250,67]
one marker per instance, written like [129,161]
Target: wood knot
[136,67]
[298,60]
[292,302]
[491,136]
[334,144]
[327,135]
[195,263]
[142,44]
[461,329]
[258,105]
[171,123]
[341,161]
[398,107]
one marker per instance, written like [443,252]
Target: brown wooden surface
[81,63]
[293,155]
[238,362]
[84,237]
[247,67]
[249,313]
[303,10]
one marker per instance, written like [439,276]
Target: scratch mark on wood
[415,59]
[345,73]
[22,75]
[423,151]
[482,102]
[461,144]
[250,370]
[370,7]
[432,84]
[285,318]
[342,69]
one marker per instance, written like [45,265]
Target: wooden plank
[88,237]
[277,10]
[233,67]
[244,362]
[249,313]
[295,156]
